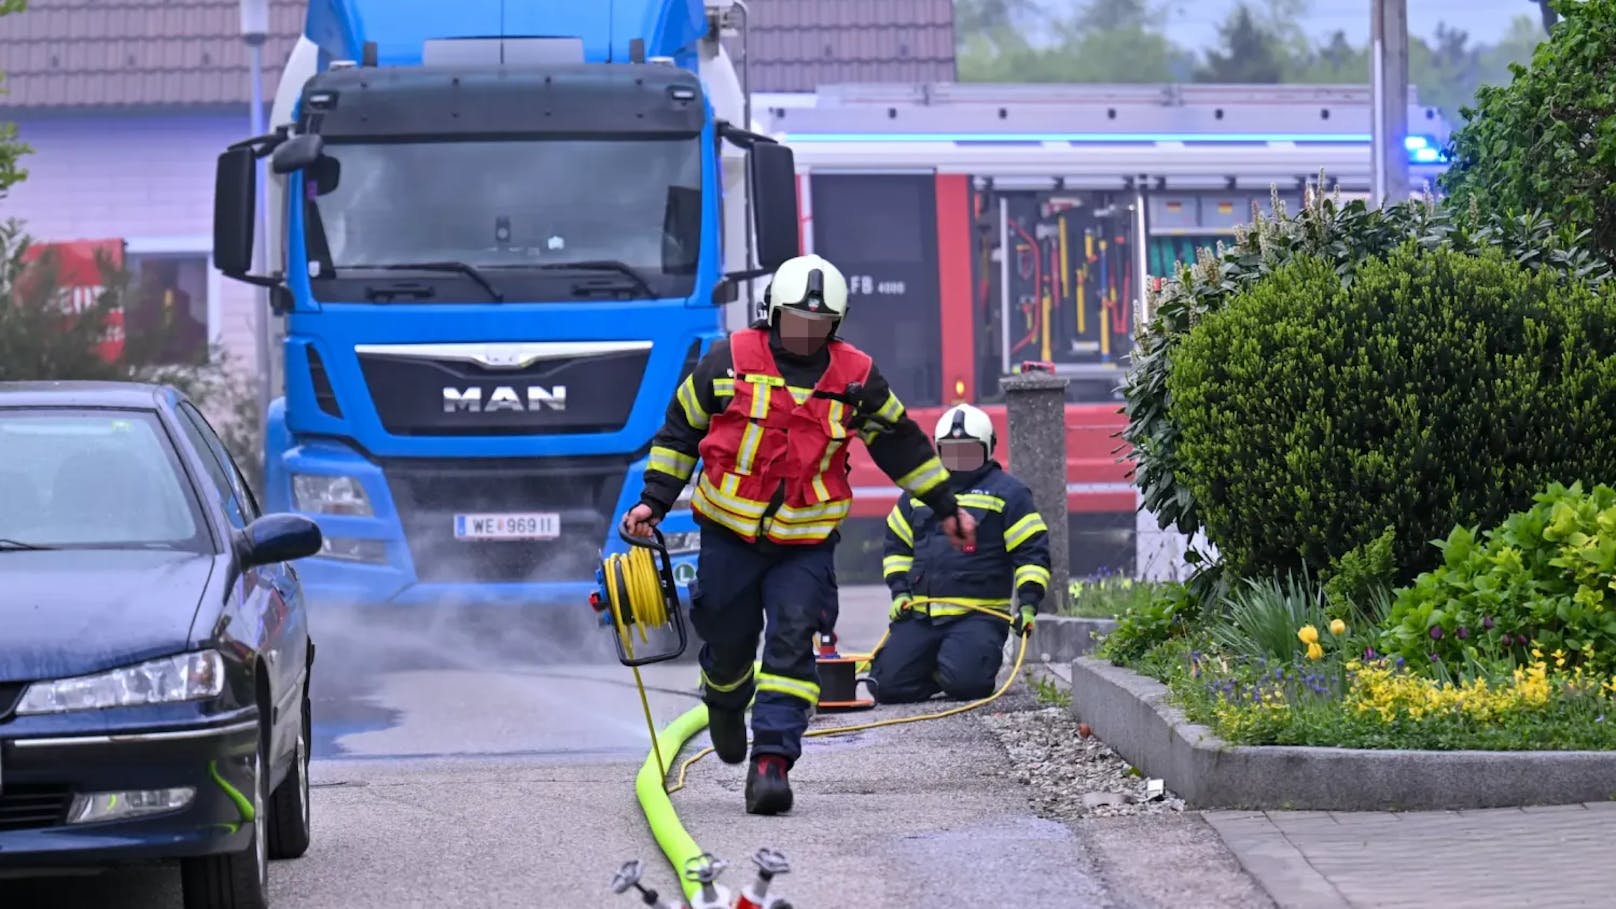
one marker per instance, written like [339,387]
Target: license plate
[524,526]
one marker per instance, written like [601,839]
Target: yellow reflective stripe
[925,478]
[671,462]
[899,525]
[897,564]
[948,609]
[731,503]
[802,532]
[701,503]
[1032,574]
[724,388]
[892,410]
[694,414]
[761,392]
[868,436]
[824,511]
[1024,530]
[980,500]
[750,440]
[797,688]
[798,393]
[711,685]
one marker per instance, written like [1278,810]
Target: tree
[1547,141]
[11,150]
[1103,41]
[1248,54]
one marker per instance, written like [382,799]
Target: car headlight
[324,494]
[186,677]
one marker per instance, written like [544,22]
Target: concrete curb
[1062,639]
[1130,713]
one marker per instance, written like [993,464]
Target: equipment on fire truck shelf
[863,661]
[703,871]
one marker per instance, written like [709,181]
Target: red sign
[79,276]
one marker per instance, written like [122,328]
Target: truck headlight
[324,494]
[186,677]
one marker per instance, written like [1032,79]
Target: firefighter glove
[1023,622]
[900,607]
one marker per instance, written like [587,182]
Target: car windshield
[95,479]
[506,206]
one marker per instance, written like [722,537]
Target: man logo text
[503,397]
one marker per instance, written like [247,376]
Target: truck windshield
[527,214]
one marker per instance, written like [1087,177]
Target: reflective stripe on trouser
[736,587]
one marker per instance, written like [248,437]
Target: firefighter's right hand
[640,521]
[900,608]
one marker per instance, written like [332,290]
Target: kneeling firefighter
[942,647]
[770,413]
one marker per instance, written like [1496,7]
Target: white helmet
[962,421]
[809,285]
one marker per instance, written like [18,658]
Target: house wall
[147,179]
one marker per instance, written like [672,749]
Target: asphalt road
[497,771]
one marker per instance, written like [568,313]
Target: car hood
[69,612]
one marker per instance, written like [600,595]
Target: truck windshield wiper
[464,268]
[622,268]
[18,545]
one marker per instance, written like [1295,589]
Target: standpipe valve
[770,863]
[628,877]
[705,869]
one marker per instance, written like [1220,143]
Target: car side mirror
[279,538]
[773,174]
[297,153]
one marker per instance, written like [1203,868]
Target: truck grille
[428,494]
[416,396]
[27,807]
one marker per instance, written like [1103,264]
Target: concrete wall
[145,178]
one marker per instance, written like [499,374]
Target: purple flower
[1463,632]
[1521,640]
[1436,632]
[1400,663]
[1369,654]
[1487,622]
[1435,658]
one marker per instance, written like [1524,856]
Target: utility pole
[1388,37]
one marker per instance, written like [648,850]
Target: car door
[271,600]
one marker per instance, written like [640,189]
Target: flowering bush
[1545,580]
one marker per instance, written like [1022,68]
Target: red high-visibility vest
[765,438]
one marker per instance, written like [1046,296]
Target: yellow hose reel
[635,594]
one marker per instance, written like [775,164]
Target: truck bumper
[397,548]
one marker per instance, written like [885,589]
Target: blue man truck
[502,231]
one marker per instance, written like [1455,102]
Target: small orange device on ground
[838,678]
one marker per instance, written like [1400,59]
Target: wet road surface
[441,753]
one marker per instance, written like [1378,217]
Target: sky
[1193,23]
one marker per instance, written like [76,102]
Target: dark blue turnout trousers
[737,588]
[956,655]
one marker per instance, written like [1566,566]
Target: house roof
[139,53]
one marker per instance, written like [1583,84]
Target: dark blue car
[154,647]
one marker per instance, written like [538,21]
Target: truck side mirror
[235,198]
[773,172]
[297,153]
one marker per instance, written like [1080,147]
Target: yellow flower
[1338,627]
[1308,635]
[1314,651]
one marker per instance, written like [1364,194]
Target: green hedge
[1345,235]
[1437,388]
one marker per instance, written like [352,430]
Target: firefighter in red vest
[770,412]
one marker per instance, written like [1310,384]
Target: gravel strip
[1069,776]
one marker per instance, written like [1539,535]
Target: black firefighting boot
[768,791]
[728,731]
